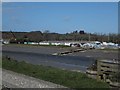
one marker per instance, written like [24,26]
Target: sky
[60,17]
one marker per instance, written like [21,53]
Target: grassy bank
[63,77]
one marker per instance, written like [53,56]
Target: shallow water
[64,62]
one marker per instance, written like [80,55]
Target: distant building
[82,32]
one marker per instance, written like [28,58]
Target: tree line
[38,36]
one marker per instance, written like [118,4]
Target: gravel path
[15,80]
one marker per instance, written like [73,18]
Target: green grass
[63,77]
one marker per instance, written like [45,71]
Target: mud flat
[98,54]
[36,49]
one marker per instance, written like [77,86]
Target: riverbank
[63,77]
[36,48]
